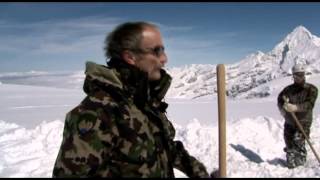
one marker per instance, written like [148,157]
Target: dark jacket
[304,97]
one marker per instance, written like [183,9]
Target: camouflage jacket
[304,97]
[120,129]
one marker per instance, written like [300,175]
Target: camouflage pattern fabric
[304,97]
[296,152]
[120,129]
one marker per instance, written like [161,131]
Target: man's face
[151,57]
[299,78]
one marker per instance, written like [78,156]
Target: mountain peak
[299,38]
[300,32]
[301,28]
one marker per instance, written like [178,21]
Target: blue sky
[62,36]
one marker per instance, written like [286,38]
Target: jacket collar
[127,78]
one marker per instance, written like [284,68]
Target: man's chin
[299,83]
[155,77]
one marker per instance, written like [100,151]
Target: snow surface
[32,122]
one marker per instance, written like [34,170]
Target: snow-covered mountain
[299,46]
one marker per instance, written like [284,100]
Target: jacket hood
[102,74]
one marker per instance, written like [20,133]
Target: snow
[37,103]
[34,104]
[30,145]
[29,152]
[72,80]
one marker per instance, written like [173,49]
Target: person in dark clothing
[298,98]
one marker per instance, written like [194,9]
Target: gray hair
[126,36]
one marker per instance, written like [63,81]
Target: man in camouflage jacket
[120,129]
[298,98]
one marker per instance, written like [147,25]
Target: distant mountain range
[299,46]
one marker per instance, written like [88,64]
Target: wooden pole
[222,120]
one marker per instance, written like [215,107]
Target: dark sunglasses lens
[158,50]
[298,74]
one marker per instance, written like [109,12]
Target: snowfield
[32,122]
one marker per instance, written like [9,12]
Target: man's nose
[163,59]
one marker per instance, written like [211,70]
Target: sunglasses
[298,75]
[156,51]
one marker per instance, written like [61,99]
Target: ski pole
[222,120]
[301,129]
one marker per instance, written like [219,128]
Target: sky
[52,36]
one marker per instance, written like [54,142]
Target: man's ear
[128,57]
